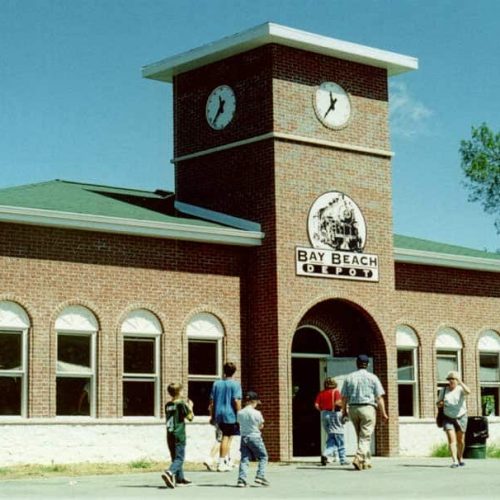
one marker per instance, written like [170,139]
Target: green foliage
[481,166]
[440,450]
[144,463]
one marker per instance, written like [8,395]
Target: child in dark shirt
[177,411]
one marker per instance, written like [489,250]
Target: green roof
[92,199]
[152,207]
[410,243]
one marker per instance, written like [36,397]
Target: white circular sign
[335,222]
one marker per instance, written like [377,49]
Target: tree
[481,166]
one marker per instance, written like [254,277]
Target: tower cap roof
[267,33]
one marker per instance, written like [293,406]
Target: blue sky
[73,104]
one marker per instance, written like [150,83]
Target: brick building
[276,252]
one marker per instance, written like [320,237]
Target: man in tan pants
[362,393]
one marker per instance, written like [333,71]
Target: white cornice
[153,229]
[426,258]
[264,34]
[287,137]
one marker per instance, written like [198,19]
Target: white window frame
[15,321]
[79,321]
[448,340]
[143,324]
[206,327]
[407,340]
[489,343]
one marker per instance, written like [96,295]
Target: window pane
[72,396]
[203,357]
[488,367]
[489,401]
[138,355]
[138,398]
[309,340]
[446,362]
[405,365]
[10,395]
[405,401]
[10,351]
[73,353]
[199,393]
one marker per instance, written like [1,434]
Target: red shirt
[325,399]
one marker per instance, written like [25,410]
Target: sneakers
[168,479]
[357,464]
[184,482]
[324,460]
[210,466]
[223,467]
[462,464]
[262,481]
[454,466]
[344,462]
[241,483]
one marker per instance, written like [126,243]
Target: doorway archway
[334,329]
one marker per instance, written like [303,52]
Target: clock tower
[290,130]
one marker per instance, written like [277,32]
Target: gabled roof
[93,207]
[267,33]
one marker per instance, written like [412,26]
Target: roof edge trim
[107,224]
[426,258]
[166,69]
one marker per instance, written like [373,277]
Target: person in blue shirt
[225,403]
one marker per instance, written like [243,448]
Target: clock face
[220,108]
[332,105]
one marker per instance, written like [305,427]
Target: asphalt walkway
[390,478]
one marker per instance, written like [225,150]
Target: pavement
[390,478]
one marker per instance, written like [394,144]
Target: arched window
[205,333]
[448,354]
[14,325]
[310,340]
[407,345]
[141,332]
[489,372]
[76,329]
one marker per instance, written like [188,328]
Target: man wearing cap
[362,392]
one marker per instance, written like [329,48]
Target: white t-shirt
[250,421]
[454,402]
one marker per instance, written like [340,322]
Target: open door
[339,368]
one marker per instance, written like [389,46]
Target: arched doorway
[309,348]
[328,338]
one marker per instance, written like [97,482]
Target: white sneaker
[223,467]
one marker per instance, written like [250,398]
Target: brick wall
[45,270]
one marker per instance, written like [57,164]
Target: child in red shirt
[328,402]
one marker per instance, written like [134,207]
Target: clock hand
[220,110]
[332,105]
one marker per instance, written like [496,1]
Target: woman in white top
[452,400]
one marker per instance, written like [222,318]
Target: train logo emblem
[336,223]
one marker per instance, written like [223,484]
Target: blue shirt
[224,393]
[362,387]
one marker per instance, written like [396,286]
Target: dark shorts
[229,429]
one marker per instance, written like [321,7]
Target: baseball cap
[363,358]
[251,396]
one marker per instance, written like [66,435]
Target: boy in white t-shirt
[252,445]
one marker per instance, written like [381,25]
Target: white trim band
[286,137]
[267,33]
[153,229]
[426,258]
